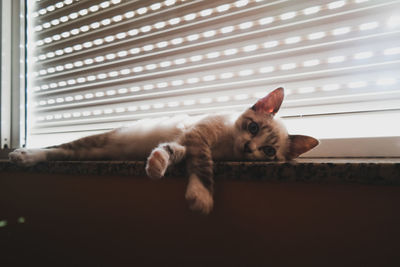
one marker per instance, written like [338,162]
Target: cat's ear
[271,103]
[299,144]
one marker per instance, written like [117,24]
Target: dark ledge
[325,170]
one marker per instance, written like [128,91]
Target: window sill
[319,170]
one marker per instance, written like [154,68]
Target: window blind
[96,65]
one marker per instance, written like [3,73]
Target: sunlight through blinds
[97,65]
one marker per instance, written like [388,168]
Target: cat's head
[259,136]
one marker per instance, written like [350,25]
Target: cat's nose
[247,148]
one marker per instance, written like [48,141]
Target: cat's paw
[26,157]
[198,197]
[157,163]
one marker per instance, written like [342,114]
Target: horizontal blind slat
[321,53]
[158,54]
[112,21]
[133,34]
[379,51]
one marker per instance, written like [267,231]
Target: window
[97,65]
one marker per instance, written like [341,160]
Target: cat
[254,135]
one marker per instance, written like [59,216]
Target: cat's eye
[253,128]
[269,151]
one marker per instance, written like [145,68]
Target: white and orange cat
[254,135]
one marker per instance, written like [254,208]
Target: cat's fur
[254,135]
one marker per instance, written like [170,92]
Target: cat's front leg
[198,196]
[199,191]
[162,157]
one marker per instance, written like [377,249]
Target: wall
[76,220]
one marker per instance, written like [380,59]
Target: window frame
[14,86]
[13,74]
